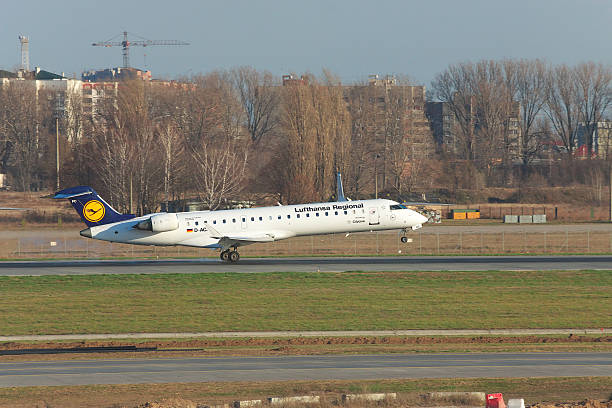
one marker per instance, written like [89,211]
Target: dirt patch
[170,403]
[588,403]
[183,403]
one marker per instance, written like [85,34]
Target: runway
[311,264]
[350,367]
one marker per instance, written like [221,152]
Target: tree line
[243,133]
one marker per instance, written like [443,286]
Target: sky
[351,38]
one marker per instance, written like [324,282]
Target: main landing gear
[230,255]
[404,238]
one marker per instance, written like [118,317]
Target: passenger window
[298,216]
[335,212]
[205,221]
[345,212]
[326,213]
[234,220]
[188,223]
[269,216]
[279,217]
[252,218]
[260,219]
[317,214]
[307,215]
[288,216]
[197,223]
[244,219]
[224,221]
[214,221]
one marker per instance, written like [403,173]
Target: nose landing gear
[231,256]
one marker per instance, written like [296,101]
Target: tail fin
[92,209]
[339,190]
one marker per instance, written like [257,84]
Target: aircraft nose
[422,218]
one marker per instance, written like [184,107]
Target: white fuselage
[265,224]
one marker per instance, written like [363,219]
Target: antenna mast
[25,52]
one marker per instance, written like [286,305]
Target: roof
[7,74]
[42,74]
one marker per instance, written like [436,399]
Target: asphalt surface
[134,371]
[311,264]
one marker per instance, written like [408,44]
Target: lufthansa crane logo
[93,211]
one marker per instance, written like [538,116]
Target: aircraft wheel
[234,256]
[224,255]
[404,239]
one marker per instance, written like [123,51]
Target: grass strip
[550,389]
[304,301]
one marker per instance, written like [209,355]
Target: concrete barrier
[516,403]
[539,218]
[369,397]
[305,399]
[247,403]
[474,397]
[510,219]
[525,219]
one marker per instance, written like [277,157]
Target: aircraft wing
[239,239]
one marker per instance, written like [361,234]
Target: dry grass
[410,391]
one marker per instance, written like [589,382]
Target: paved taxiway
[135,371]
[312,264]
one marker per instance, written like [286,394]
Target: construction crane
[126,44]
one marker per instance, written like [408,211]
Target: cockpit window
[398,207]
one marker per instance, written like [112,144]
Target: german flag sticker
[189,229]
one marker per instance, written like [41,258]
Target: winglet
[339,189]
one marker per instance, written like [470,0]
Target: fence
[382,243]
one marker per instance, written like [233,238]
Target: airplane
[226,230]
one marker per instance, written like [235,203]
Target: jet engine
[159,223]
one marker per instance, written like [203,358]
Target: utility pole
[57,155]
[610,190]
[58,111]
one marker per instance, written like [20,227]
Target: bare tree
[452,86]
[126,150]
[217,145]
[173,153]
[21,118]
[480,97]
[220,169]
[527,84]
[563,106]
[363,111]
[593,87]
[317,128]
[259,98]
